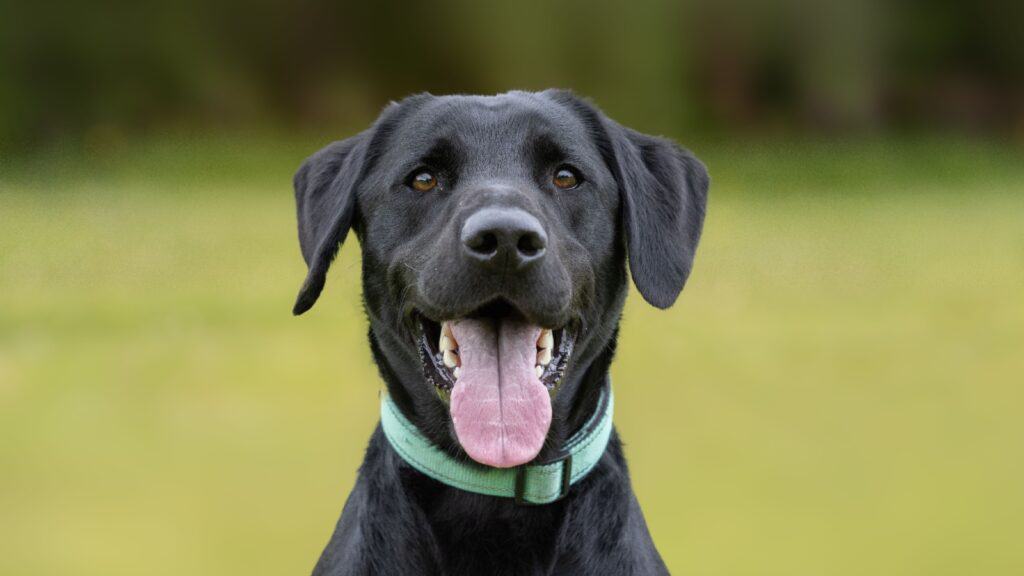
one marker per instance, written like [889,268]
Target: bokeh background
[837,392]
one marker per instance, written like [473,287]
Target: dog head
[495,233]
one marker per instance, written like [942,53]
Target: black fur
[641,199]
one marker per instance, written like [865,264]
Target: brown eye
[566,178]
[424,181]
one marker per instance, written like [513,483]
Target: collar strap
[528,484]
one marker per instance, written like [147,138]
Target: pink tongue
[500,408]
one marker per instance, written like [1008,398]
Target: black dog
[495,233]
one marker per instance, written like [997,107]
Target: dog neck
[465,528]
[530,484]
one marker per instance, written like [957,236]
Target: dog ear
[664,190]
[325,199]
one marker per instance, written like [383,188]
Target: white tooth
[446,330]
[539,370]
[546,340]
[445,343]
[544,356]
[455,372]
[450,360]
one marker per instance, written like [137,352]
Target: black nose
[503,237]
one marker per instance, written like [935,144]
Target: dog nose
[503,237]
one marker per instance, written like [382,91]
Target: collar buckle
[566,461]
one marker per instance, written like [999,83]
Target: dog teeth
[445,343]
[455,372]
[448,347]
[539,370]
[544,356]
[546,340]
[447,340]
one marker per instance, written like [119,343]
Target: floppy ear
[664,191]
[325,199]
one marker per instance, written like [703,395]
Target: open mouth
[439,350]
[498,373]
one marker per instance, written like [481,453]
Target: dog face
[495,233]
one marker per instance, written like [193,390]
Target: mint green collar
[528,484]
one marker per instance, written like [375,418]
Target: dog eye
[423,181]
[566,178]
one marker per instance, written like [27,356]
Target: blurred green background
[838,390]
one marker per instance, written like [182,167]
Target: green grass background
[838,391]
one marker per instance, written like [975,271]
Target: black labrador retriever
[495,232]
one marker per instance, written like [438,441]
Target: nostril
[530,244]
[485,243]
